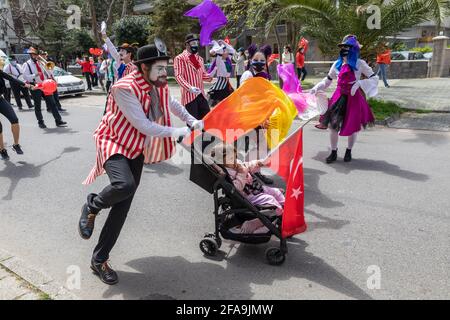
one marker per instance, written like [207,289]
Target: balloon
[96,51]
[48,86]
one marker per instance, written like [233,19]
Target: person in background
[239,58]
[101,72]
[190,73]
[94,76]
[288,56]
[300,59]
[15,70]
[383,61]
[86,70]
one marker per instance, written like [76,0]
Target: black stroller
[231,209]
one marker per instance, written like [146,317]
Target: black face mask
[194,49]
[258,66]
[344,52]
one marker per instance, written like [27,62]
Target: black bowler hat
[152,52]
[191,37]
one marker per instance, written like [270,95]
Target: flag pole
[286,139]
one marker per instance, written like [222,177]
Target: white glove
[355,88]
[103,28]
[313,91]
[181,132]
[198,125]
[195,90]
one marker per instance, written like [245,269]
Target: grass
[385,109]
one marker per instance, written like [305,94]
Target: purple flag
[211,18]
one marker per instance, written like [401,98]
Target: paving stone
[11,288]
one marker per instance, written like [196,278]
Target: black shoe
[264,179]
[4,154]
[348,155]
[42,125]
[61,123]
[332,157]
[17,148]
[30,107]
[20,108]
[86,223]
[105,272]
[62,110]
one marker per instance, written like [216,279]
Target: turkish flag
[287,162]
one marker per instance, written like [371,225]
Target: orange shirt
[384,58]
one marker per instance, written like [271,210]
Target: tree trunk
[280,52]
[94,24]
[124,8]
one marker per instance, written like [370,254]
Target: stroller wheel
[209,246]
[217,239]
[275,257]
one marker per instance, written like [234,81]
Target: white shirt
[246,75]
[220,69]
[14,71]
[30,73]
[132,110]
[288,58]
[240,64]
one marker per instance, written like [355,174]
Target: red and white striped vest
[116,135]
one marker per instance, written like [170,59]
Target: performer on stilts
[135,128]
[348,109]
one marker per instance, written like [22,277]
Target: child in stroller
[228,181]
[249,187]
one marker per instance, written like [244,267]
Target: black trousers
[302,73]
[17,91]
[124,175]
[8,112]
[238,81]
[50,102]
[88,75]
[58,104]
[199,107]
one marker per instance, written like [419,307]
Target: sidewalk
[13,287]
[19,281]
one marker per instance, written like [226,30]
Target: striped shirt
[116,135]
[131,67]
[188,76]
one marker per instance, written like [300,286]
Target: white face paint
[158,73]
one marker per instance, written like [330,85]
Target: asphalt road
[386,211]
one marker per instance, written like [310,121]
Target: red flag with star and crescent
[287,162]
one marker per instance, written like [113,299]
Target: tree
[132,29]
[328,22]
[168,23]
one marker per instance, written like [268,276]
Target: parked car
[67,83]
[407,55]
[428,55]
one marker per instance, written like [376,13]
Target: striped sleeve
[178,67]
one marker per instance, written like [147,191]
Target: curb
[35,278]
[387,121]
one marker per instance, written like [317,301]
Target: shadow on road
[25,170]
[178,278]
[163,169]
[60,130]
[429,139]
[372,165]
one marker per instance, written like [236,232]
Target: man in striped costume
[190,73]
[136,126]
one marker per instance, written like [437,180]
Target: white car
[67,83]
